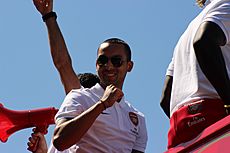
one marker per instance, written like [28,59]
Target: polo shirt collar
[121,102]
[208,2]
[98,90]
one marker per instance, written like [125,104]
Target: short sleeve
[170,68]
[70,108]
[142,138]
[220,14]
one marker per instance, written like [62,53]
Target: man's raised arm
[59,51]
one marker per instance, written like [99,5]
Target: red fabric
[220,145]
[189,121]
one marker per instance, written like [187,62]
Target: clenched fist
[44,6]
[111,95]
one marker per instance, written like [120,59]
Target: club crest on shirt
[134,118]
[195,108]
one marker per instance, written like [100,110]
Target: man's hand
[44,6]
[37,143]
[111,95]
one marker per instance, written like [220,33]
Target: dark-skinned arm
[69,132]
[61,57]
[166,95]
[207,42]
[59,51]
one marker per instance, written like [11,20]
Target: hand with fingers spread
[37,143]
[44,6]
[111,95]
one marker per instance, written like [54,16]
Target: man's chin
[110,82]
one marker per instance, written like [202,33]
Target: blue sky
[29,79]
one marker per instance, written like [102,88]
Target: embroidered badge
[133,117]
[194,108]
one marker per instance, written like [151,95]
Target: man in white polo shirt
[96,119]
[197,86]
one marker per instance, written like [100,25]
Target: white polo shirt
[189,82]
[118,129]
[52,149]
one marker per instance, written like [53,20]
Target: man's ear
[130,66]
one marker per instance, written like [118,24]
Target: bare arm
[166,95]
[69,132]
[59,51]
[61,57]
[207,42]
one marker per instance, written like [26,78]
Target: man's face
[112,64]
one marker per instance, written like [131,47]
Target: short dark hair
[88,80]
[120,41]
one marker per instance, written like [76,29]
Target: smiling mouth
[111,77]
[111,74]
